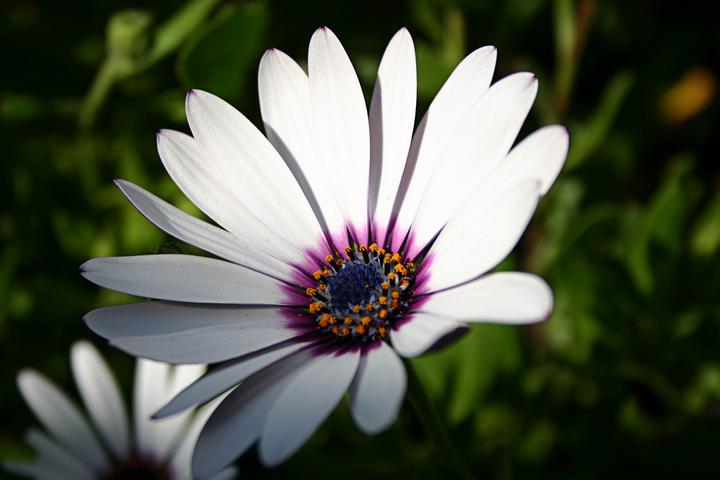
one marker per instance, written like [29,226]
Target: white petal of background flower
[481,140]
[210,238]
[184,278]
[252,168]
[62,465]
[378,389]
[470,79]
[340,119]
[422,332]
[101,396]
[304,403]
[284,92]
[392,118]
[503,297]
[225,377]
[198,176]
[482,234]
[62,419]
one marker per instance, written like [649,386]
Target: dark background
[622,381]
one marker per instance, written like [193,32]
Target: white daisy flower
[344,241]
[108,447]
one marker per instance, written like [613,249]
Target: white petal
[252,169]
[470,79]
[392,118]
[285,106]
[39,470]
[152,380]
[207,237]
[181,462]
[102,397]
[340,123]
[483,233]
[221,379]
[184,278]
[49,453]
[378,389]
[503,297]
[539,156]
[156,383]
[201,179]
[422,332]
[170,431]
[178,333]
[304,403]
[62,419]
[238,421]
[476,147]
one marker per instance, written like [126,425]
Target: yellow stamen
[382,300]
[391,276]
[365,320]
[356,308]
[360,329]
[382,331]
[317,274]
[348,321]
[346,331]
[385,285]
[311,292]
[383,314]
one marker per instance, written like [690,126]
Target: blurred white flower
[107,447]
[345,240]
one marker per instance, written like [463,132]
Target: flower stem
[434,425]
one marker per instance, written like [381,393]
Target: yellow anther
[387,258]
[382,300]
[360,329]
[331,320]
[339,262]
[348,321]
[382,331]
[369,307]
[396,257]
[400,269]
[395,294]
[363,248]
[325,320]
[365,320]
[356,308]
[322,287]
[335,330]
[381,251]
[385,285]
[410,265]
[316,307]
[348,249]
[394,304]
[311,291]
[327,272]
[346,331]
[383,314]
[405,282]
[329,258]
[317,274]
[391,276]
[373,247]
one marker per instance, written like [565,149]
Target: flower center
[137,467]
[360,295]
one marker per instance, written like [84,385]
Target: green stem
[97,94]
[434,425]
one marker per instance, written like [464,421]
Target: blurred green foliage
[623,380]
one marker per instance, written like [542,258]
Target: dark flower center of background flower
[137,467]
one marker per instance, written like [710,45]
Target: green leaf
[705,237]
[226,52]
